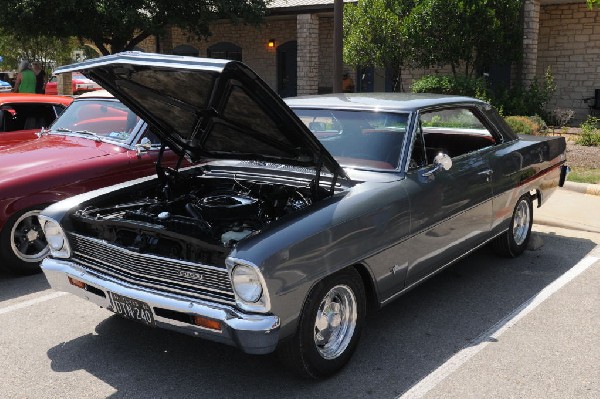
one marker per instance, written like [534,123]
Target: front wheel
[22,243]
[329,328]
[514,241]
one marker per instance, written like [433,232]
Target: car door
[451,210]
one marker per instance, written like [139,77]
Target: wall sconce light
[271,43]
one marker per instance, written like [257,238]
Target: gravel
[579,156]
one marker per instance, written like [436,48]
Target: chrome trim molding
[264,303]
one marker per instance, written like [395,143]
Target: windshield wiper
[87,132]
[62,130]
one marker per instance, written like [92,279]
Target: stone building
[292,50]
[565,36]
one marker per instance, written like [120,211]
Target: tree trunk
[100,45]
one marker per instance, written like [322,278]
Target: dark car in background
[96,142]
[23,115]
[299,217]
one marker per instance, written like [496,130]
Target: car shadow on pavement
[401,344]
[12,286]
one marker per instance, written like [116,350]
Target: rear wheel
[514,241]
[22,243]
[329,327]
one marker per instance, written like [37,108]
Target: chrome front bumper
[252,333]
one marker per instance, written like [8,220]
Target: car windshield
[79,76]
[361,139]
[101,118]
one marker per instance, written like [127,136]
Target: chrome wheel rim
[522,220]
[335,322]
[27,239]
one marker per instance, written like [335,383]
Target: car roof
[408,102]
[96,93]
[34,98]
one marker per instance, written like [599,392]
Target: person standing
[25,82]
[40,77]
[347,83]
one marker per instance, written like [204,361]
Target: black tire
[513,242]
[22,243]
[319,349]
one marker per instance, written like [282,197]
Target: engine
[194,219]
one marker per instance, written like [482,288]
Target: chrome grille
[151,271]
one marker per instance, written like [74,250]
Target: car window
[26,116]
[58,109]
[150,136]
[105,118]
[455,132]
[362,139]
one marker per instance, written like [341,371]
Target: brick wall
[308,53]
[569,43]
[326,55]
[531,15]
[253,41]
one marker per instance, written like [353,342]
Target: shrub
[448,84]
[590,134]
[530,100]
[527,124]
[540,126]
[562,116]
[517,100]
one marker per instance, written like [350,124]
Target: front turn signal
[206,323]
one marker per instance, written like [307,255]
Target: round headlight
[54,235]
[246,283]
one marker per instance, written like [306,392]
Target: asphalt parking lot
[487,327]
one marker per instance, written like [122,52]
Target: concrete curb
[583,188]
[564,224]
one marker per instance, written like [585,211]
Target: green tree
[469,34]
[374,36]
[119,25]
[47,50]
[593,3]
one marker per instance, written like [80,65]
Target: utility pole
[338,33]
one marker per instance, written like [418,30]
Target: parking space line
[31,302]
[429,382]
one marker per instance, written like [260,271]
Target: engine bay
[192,218]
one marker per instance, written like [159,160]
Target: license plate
[131,308]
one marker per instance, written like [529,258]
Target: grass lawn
[583,175]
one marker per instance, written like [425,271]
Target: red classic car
[96,142]
[81,84]
[23,115]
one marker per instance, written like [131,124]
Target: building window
[185,49]
[226,51]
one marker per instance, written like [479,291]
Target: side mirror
[440,162]
[144,145]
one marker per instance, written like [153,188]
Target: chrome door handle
[487,173]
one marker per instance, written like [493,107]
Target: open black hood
[208,108]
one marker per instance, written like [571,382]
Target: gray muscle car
[298,216]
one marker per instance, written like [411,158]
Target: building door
[287,82]
[365,79]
